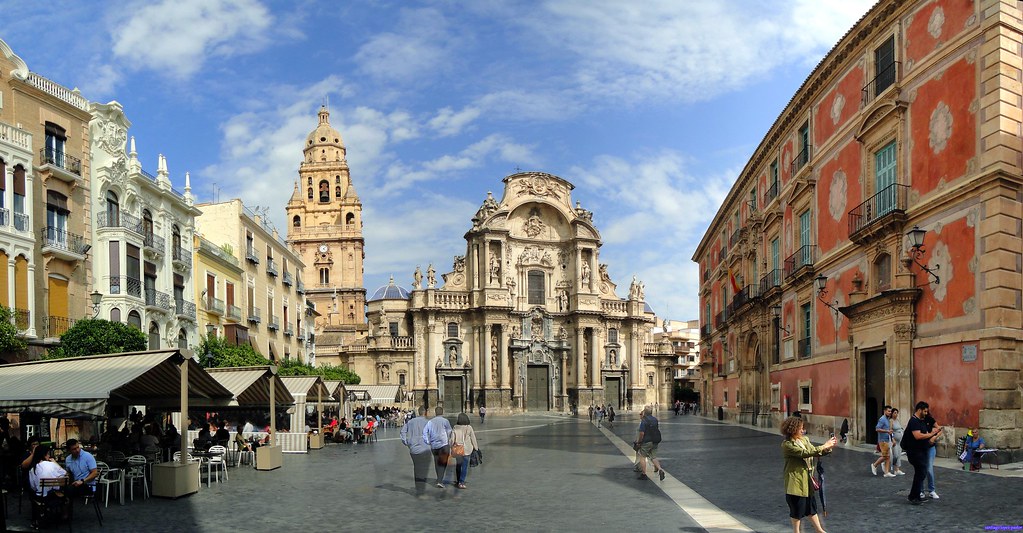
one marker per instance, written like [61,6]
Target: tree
[98,336]
[9,339]
[293,367]
[227,355]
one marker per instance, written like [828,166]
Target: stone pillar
[476,355]
[579,270]
[485,355]
[31,332]
[504,354]
[594,359]
[12,282]
[431,356]
[580,366]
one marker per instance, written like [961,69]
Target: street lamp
[822,292]
[917,250]
[96,297]
[211,331]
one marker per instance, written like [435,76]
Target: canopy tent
[335,389]
[250,385]
[306,389]
[376,394]
[83,387]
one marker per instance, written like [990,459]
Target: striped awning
[379,394]
[83,387]
[307,385]
[250,385]
[335,388]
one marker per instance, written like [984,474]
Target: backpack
[652,433]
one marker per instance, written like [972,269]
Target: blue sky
[649,108]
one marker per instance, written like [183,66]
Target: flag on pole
[731,278]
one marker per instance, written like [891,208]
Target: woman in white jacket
[463,435]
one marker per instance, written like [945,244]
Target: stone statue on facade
[562,300]
[586,274]
[495,270]
[614,358]
[562,334]
[634,289]
[417,279]
[453,357]
[431,277]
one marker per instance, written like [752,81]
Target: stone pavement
[557,473]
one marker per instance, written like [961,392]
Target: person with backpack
[646,443]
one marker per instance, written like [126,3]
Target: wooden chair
[47,509]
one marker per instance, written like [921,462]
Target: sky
[651,109]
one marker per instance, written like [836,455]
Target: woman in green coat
[799,455]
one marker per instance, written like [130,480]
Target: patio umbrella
[820,492]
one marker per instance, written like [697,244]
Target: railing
[58,90]
[801,159]
[770,280]
[803,348]
[734,238]
[892,199]
[214,305]
[721,318]
[22,318]
[745,295]
[254,315]
[126,285]
[154,242]
[722,254]
[287,280]
[272,323]
[250,256]
[233,311]
[884,79]
[185,309]
[614,307]
[155,298]
[401,342]
[127,221]
[804,257]
[300,288]
[271,267]
[289,330]
[772,193]
[147,174]
[16,136]
[217,251]
[61,160]
[705,330]
[181,255]
[451,300]
[359,347]
[21,222]
[58,325]
[63,240]
[4,215]
[301,336]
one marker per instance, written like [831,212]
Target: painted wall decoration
[838,105]
[839,191]
[943,127]
[935,24]
[952,247]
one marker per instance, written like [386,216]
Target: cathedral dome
[390,292]
[324,134]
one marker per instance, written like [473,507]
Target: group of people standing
[601,412]
[685,408]
[434,439]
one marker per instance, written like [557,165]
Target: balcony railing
[287,279]
[157,299]
[233,311]
[884,79]
[301,336]
[893,199]
[722,254]
[289,330]
[214,305]
[250,256]
[734,238]
[721,318]
[770,280]
[127,221]
[272,323]
[5,215]
[184,309]
[153,242]
[21,222]
[401,341]
[22,319]
[63,240]
[271,267]
[804,258]
[58,325]
[745,295]
[801,159]
[803,348]
[181,256]
[61,160]
[300,288]
[705,330]
[126,285]
[254,315]
[772,193]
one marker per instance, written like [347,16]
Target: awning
[82,387]
[307,385]
[335,389]
[382,394]
[250,385]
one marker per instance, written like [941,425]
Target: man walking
[916,442]
[418,448]
[590,410]
[647,440]
[483,413]
[884,441]
[437,433]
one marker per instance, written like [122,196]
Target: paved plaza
[558,473]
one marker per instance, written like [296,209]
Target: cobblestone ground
[556,473]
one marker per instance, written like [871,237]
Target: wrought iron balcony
[254,315]
[234,312]
[214,305]
[772,192]
[745,296]
[63,244]
[287,279]
[771,280]
[5,215]
[300,288]
[273,324]
[705,330]
[884,79]
[289,330]
[153,242]
[886,207]
[250,256]
[119,220]
[271,267]
[61,160]
[721,318]
[801,159]
[801,262]
[803,348]
[734,238]
[157,300]
[58,325]
[722,254]
[21,222]
[181,257]
[126,285]
[184,309]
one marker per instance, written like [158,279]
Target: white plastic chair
[136,472]
[105,480]
[218,461]
[177,458]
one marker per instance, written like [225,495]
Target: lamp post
[96,298]
[822,293]
[917,250]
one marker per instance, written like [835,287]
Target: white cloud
[448,122]
[177,37]
[420,47]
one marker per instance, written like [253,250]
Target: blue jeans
[463,468]
[931,453]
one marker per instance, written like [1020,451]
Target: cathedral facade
[527,319]
[325,230]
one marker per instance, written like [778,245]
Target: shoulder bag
[457,448]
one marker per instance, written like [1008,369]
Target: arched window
[115,314]
[883,272]
[134,319]
[182,339]
[147,227]
[297,221]
[309,181]
[175,238]
[337,180]
[453,330]
[324,191]
[350,218]
[337,192]
[154,336]
[310,195]
[113,210]
[535,280]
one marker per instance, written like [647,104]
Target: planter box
[174,480]
[316,441]
[269,457]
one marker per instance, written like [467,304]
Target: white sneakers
[873,469]
[935,495]
[900,473]
[889,474]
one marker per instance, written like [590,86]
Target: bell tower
[325,228]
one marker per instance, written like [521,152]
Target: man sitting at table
[82,467]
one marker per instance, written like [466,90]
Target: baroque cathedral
[527,319]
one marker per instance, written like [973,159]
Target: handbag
[476,457]
[816,484]
[458,450]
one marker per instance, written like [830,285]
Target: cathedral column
[485,355]
[504,354]
[580,366]
[431,364]
[594,360]
[476,356]
[634,358]
[578,269]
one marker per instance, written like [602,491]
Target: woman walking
[463,442]
[799,456]
[897,433]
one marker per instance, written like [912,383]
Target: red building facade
[813,295]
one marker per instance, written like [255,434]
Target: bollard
[721,413]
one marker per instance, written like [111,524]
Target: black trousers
[917,458]
[441,456]
[420,469]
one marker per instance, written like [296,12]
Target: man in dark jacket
[646,441]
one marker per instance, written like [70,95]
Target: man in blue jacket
[437,433]
[419,449]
